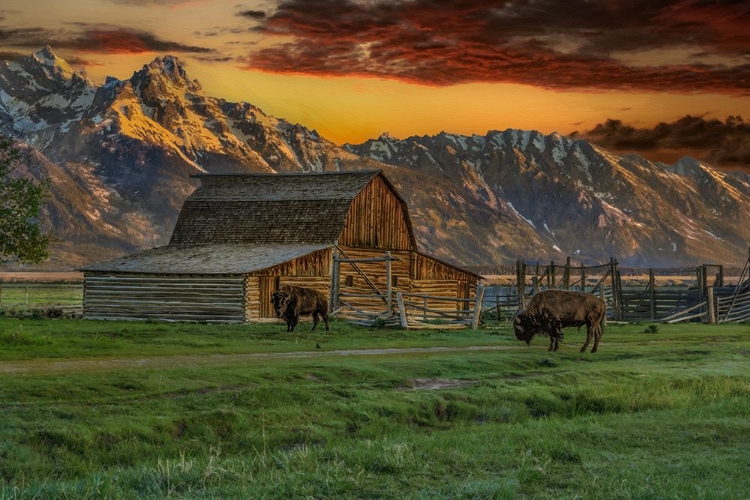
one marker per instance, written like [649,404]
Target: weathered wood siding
[376,219]
[449,289]
[311,271]
[215,299]
[352,282]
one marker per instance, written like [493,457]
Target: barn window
[350,280]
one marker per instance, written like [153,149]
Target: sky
[635,74]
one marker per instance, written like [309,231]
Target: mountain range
[120,158]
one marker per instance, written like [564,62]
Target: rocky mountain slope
[120,156]
[586,202]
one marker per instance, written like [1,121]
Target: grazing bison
[549,311]
[291,301]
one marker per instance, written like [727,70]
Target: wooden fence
[710,300]
[414,311]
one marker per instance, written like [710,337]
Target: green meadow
[94,409]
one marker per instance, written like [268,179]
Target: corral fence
[709,299]
[383,305]
[501,302]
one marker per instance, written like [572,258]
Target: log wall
[310,271]
[215,299]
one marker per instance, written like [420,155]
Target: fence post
[652,290]
[618,288]
[477,307]
[401,310]
[521,282]
[389,285]
[566,274]
[711,306]
[583,278]
[552,274]
[334,302]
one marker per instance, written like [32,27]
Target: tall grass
[661,415]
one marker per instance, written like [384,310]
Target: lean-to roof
[206,259]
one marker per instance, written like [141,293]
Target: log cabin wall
[435,278]
[218,299]
[311,271]
[376,219]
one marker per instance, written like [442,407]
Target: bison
[549,311]
[291,301]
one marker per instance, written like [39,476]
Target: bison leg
[324,313]
[597,337]
[589,336]
[316,320]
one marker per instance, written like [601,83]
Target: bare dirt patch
[433,384]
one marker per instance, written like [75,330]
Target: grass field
[151,410]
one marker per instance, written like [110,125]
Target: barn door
[462,292]
[268,285]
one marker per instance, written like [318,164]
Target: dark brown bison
[292,301]
[549,311]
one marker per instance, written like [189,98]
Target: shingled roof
[241,223]
[268,209]
[205,259]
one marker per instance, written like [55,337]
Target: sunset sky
[353,69]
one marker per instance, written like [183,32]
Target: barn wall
[376,219]
[215,299]
[350,281]
[311,271]
[437,279]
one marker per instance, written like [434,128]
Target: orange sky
[354,69]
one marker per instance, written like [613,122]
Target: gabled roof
[205,259]
[269,209]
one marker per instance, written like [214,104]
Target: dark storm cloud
[547,43]
[126,41]
[103,39]
[258,15]
[722,143]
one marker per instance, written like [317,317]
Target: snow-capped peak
[56,65]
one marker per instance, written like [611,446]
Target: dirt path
[111,364]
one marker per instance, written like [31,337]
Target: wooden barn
[239,237]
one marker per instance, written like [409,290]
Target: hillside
[121,155]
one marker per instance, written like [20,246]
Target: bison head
[522,327]
[280,300]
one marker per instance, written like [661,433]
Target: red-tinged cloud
[104,40]
[558,45]
[724,144]
[127,41]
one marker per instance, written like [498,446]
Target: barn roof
[267,209]
[205,259]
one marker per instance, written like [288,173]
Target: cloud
[725,144]
[144,3]
[615,44]
[126,41]
[10,56]
[253,14]
[102,39]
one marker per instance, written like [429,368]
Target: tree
[21,200]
